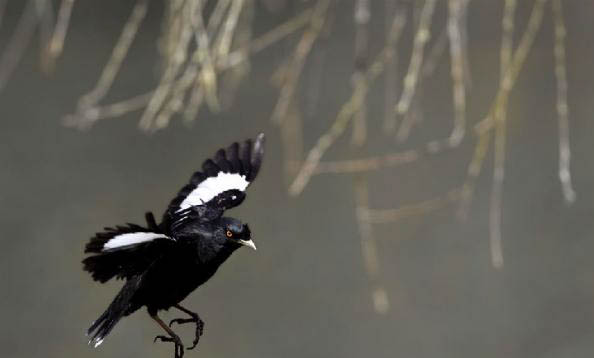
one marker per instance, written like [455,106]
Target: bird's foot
[199,327]
[179,347]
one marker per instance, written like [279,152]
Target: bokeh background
[311,289]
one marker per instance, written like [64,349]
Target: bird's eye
[229,233]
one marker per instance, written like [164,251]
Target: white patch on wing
[131,239]
[212,187]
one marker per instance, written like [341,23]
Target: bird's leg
[195,319]
[179,347]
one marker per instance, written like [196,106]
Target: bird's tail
[116,310]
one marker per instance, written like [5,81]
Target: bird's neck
[214,254]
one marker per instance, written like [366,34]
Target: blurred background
[427,189]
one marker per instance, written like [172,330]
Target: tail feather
[101,328]
[118,308]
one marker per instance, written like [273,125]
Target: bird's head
[237,233]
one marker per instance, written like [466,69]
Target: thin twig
[346,112]
[224,40]
[415,116]
[56,44]
[230,81]
[562,107]
[381,216]
[362,15]
[495,241]
[199,73]
[421,37]
[117,57]
[484,127]
[464,32]
[217,16]
[391,77]
[389,160]
[302,50]
[434,55]
[267,39]
[85,118]
[379,295]
[367,164]
[178,58]
[45,12]
[173,87]
[457,68]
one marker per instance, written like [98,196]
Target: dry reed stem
[434,55]
[230,81]
[562,107]
[465,61]
[361,16]
[484,127]
[56,43]
[216,18]
[412,118]
[224,40]
[119,52]
[457,68]
[207,78]
[391,76]
[414,115]
[199,74]
[500,114]
[266,40]
[293,71]
[382,216]
[497,118]
[367,164]
[205,85]
[45,13]
[379,296]
[89,111]
[421,38]
[389,160]
[369,251]
[177,59]
[117,109]
[346,112]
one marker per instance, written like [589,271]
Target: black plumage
[163,263]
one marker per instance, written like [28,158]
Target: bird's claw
[199,328]
[163,339]
[199,332]
[179,347]
[178,321]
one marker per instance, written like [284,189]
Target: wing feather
[221,183]
[125,251]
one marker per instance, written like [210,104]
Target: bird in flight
[163,263]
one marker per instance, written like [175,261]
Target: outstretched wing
[220,185]
[125,251]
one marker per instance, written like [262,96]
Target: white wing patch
[212,187]
[131,239]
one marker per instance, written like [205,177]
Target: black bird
[163,263]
